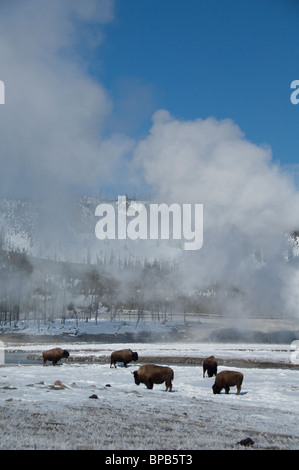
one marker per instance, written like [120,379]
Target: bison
[150,374]
[226,379]
[124,355]
[54,355]
[210,365]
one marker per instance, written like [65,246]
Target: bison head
[216,389]
[137,380]
[135,356]
[66,353]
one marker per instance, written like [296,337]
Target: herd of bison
[150,374]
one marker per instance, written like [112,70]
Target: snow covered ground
[51,407]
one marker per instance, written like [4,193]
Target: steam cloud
[250,206]
[53,134]
[53,124]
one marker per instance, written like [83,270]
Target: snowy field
[51,407]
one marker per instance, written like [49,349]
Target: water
[19,358]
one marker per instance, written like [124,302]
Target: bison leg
[149,384]
[238,390]
[226,389]
[168,386]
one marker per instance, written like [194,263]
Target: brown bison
[226,379]
[124,355]
[210,366]
[54,355]
[150,374]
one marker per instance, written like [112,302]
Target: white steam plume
[249,207]
[53,122]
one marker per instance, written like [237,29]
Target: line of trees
[45,290]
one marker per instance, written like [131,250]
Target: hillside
[61,270]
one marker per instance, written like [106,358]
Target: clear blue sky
[197,58]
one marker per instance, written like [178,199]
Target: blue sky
[229,59]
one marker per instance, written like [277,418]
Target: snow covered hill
[67,233]
[61,270]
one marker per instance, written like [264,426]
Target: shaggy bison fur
[124,355]
[227,379]
[150,374]
[54,355]
[210,366]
